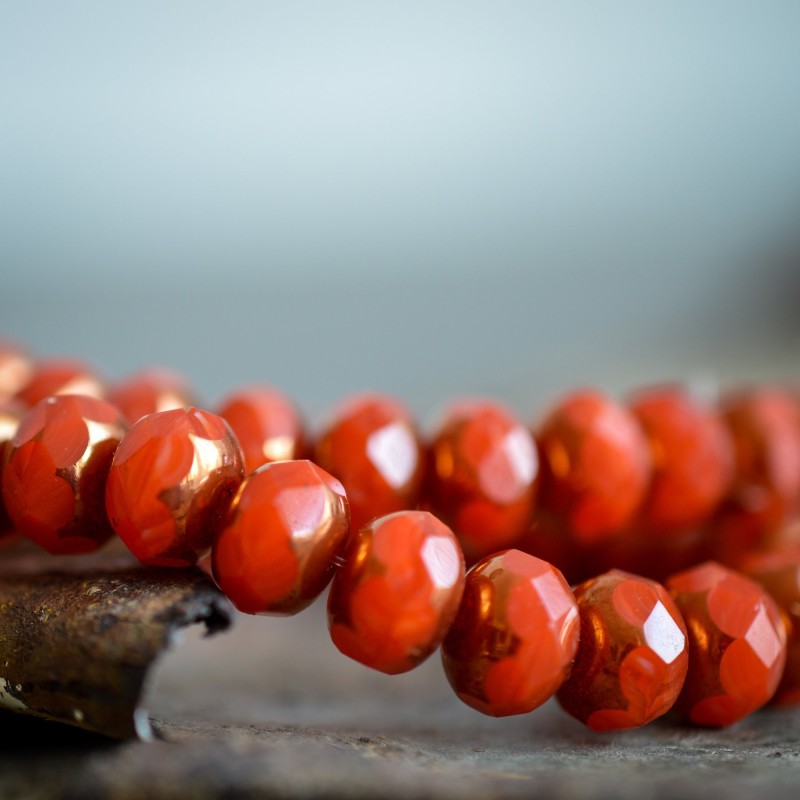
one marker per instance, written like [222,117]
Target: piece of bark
[77,647]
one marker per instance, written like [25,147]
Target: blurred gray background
[432,199]
[426,198]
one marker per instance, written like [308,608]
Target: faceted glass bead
[779,573]
[150,391]
[692,456]
[595,465]
[266,423]
[482,475]
[60,376]
[633,653]
[171,484]
[56,469]
[397,593]
[290,520]
[16,369]
[11,413]
[514,637]
[373,448]
[737,644]
[764,426]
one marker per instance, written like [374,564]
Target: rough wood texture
[270,709]
[77,648]
[546,758]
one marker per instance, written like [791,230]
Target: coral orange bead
[56,469]
[16,370]
[276,554]
[595,466]
[692,457]
[152,390]
[373,448]
[633,653]
[766,437]
[514,637]
[779,573]
[266,423]
[763,423]
[737,644]
[397,593]
[171,484]
[482,476]
[61,376]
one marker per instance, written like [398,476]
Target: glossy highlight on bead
[397,593]
[150,391]
[373,448]
[482,476]
[653,486]
[595,466]
[692,456]
[171,484]
[779,573]
[56,469]
[60,376]
[266,423]
[765,428]
[289,523]
[737,644]
[515,635]
[633,654]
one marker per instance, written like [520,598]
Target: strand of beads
[600,482]
[654,485]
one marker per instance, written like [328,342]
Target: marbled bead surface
[633,654]
[482,476]
[266,423]
[692,459]
[171,484]
[55,472]
[514,637]
[150,391]
[595,466]
[60,376]
[372,446]
[779,573]
[397,592]
[737,644]
[290,521]
[765,429]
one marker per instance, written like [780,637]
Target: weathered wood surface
[77,648]
[270,709]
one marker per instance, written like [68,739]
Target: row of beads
[511,628]
[652,486]
[712,644]
[171,488]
